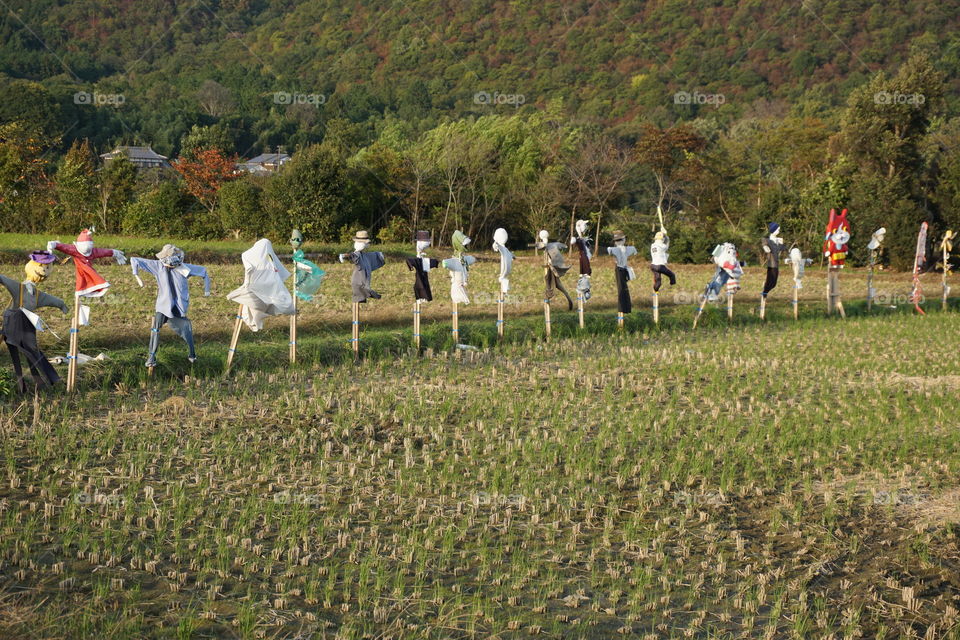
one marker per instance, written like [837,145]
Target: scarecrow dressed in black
[21,322]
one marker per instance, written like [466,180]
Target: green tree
[308,194]
[114,190]
[241,209]
[75,185]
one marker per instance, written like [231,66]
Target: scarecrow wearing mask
[173,296]
[365,263]
[21,323]
[582,242]
[90,284]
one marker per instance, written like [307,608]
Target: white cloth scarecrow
[459,267]
[729,271]
[798,263]
[506,259]
[263,293]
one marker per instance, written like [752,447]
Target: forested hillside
[764,86]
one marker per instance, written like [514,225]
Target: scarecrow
[582,242]
[729,271]
[89,284]
[624,272]
[459,268]
[307,275]
[365,263]
[919,261]
[874,247]
[946,246]
[421,266]
[835,250]
[555,267]
[506,266]
[772,246]
[173,296]
[799,264]
[21,322]
[263,292]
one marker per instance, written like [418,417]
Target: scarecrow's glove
[766,249]
[119,257]
[826,254]
[52,245]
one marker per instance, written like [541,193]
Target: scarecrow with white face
[90,284]
[459,267]
[506,259]
[365,262]
[422,265]
[798,263]
[835,249]
[729,271]
[582,242]
[21,322]
[772,246]
[623,271]
[555,267]
[173,296]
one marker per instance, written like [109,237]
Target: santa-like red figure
[836,239]
[835,250]
[90,284]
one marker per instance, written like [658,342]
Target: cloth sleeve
[101,253]
[12,286]
[150,266]
[47,300]
[200,272]
[68,249]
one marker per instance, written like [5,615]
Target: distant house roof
[141,157]
[275,159]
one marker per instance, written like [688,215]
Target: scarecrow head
[499,238]
[361,240]
[838,229]
[84,243]
[170,256]
[876,239]
[726,257]
[459,242]
[773,229]
[296,239]
[619,238]
[581,227]
[422,239]
[40,266]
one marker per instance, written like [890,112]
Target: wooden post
[74,346]
[873,260]
[763,307]
[796,301]
[455,331]
[546,317]
[729,305]
[696,318]
[580,308]
[236,336]
[833,292]
[293,321]
[619,320]
[355,340]
[500,316]
[416,325]
[656,308]
[829,291]
[946,267]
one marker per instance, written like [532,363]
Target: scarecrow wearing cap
[173,296]
[90,284]
[365,262]
[421,266]
[21,323]
[623,271]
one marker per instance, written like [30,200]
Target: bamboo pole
[500,316]
[416,325]
[233,340]
[763,307]
[656,308]
[696,318]
[796,301]
[74,346]
[946,289]
[619,320]
[546,317]
[729,305]
[580,308]
[293,322]
[355,340]
[873,260]
[455,321]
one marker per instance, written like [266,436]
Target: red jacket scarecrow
[836,238]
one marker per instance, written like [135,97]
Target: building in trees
[141,157]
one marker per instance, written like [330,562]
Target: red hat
[85,236]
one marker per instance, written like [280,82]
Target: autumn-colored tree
[205,174]
[671,155]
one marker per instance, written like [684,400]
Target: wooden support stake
[74,345]
[763,307]
[796,301]
[416,325]
[946,289]
[293,324]
[656,308]
[500,316]
[546,317]
[355,341]
[233,340]
[619,320]
[870,281]
[455,331]
[696,318]
[580,309]
[729,306]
